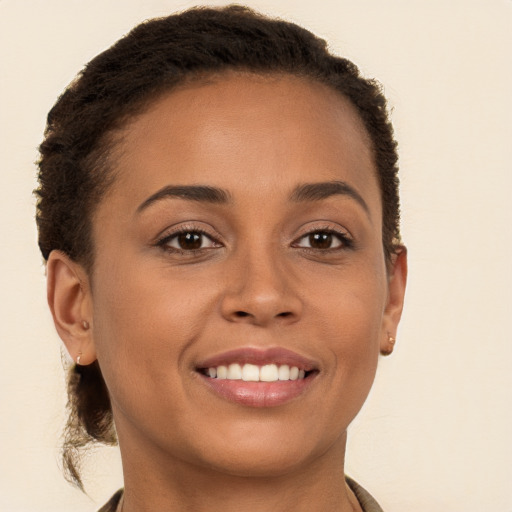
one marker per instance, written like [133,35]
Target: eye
[188,240]
[323,240]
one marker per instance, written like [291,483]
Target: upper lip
[259,357]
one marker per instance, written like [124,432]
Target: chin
[270,455]
[261,464]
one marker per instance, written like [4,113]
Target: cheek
[349,315]
[350,304]
[142,318]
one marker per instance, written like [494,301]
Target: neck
[155,482]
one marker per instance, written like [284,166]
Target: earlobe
[395,302]
[70,302]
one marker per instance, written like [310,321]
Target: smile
[253,373]
[258,378]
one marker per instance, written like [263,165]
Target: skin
[154,312]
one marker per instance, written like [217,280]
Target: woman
[218,208]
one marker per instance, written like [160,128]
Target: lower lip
[259,394]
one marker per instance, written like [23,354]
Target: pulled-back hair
[152,59]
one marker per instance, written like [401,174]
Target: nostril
[241,314]
[285,314]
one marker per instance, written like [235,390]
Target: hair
[155,57]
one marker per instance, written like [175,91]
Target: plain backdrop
[435,434]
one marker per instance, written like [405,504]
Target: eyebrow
[202,193]
[302,193]
[324,190]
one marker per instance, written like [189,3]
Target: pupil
[320,240]
[189,241]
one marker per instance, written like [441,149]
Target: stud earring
[78,358]
[391,343]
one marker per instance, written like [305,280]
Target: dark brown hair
[154,57]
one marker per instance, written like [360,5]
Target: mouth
[258,378]
[254,373]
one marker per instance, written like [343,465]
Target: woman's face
[242,235]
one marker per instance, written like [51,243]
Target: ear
[70,302]
[395,302]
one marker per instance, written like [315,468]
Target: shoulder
[366,500]
[113,503]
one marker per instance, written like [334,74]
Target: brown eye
[189,241]
[322,240]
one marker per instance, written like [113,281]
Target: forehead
[238,129]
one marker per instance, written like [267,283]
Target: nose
[260,290]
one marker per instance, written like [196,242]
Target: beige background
[435,433]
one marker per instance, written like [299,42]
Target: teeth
[284,372]
[222,372]
[250,372]
[254,373]
[234,372]
[269,373]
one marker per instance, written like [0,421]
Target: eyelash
[184,230]
[345,241]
